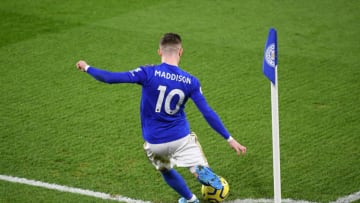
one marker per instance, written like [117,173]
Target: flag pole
[270,71]
[275,139]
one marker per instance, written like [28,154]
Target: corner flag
[270,56]
[270,71]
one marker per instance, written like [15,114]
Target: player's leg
[192,156]
[207,177]
[176,181]
[158,156]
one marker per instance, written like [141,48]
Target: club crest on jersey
[270,55]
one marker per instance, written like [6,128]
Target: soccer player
[168,140]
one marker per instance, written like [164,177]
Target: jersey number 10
[168,98]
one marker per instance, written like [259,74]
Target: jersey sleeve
[134,76]
[209,114]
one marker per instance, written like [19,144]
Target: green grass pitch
[59,125]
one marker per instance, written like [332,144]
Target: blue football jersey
[165,91]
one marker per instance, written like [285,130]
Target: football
[213,195]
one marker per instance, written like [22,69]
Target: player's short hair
[170,41]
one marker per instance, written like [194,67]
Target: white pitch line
[70,189]
[347,199]
[266,201]
[350,198]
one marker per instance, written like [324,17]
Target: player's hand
[81,65]
[238,148]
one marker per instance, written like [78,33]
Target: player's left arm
[214,121]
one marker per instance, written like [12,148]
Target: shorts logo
[270,55]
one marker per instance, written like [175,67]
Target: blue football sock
[175,181]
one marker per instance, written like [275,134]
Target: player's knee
[163,170]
